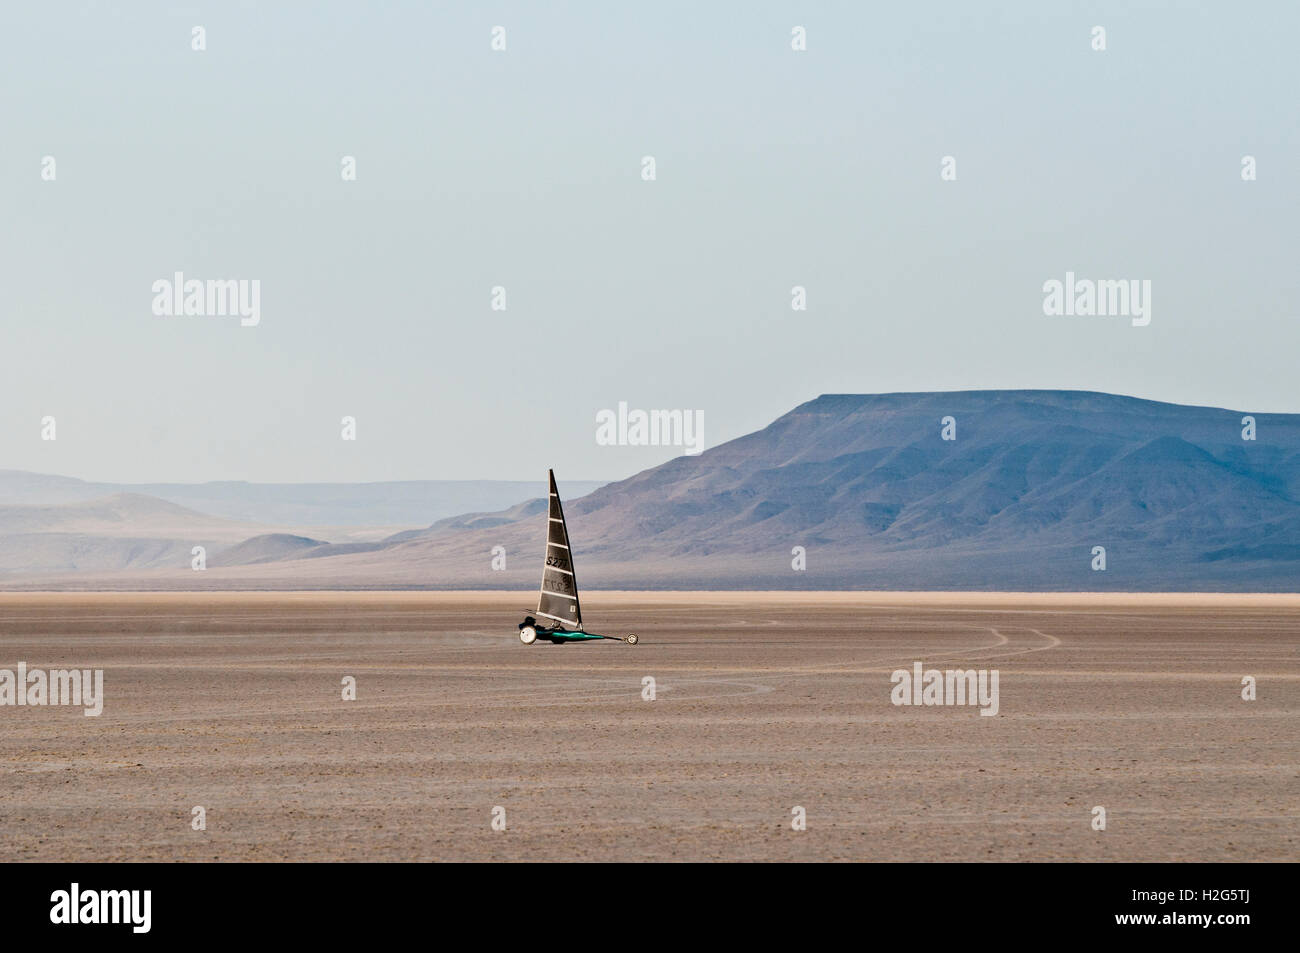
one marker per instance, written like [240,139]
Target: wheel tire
[528,635]
[632,639]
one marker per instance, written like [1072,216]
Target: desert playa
[762,703]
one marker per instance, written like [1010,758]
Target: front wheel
[528,635]
[631,639]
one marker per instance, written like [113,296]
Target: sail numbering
[558,607]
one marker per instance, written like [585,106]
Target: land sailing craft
[557,603]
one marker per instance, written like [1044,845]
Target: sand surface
[764,701]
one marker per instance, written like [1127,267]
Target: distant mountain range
[395,504]
[1032,483]
[60,525]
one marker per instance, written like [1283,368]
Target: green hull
[561,635]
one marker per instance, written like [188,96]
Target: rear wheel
[528,635]
[632,639]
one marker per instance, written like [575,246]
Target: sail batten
[558,598]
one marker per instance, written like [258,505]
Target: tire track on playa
[1052,642]
[967,655]
[872,666]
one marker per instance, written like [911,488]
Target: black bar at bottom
[644,904]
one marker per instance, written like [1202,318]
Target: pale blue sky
[522,169]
